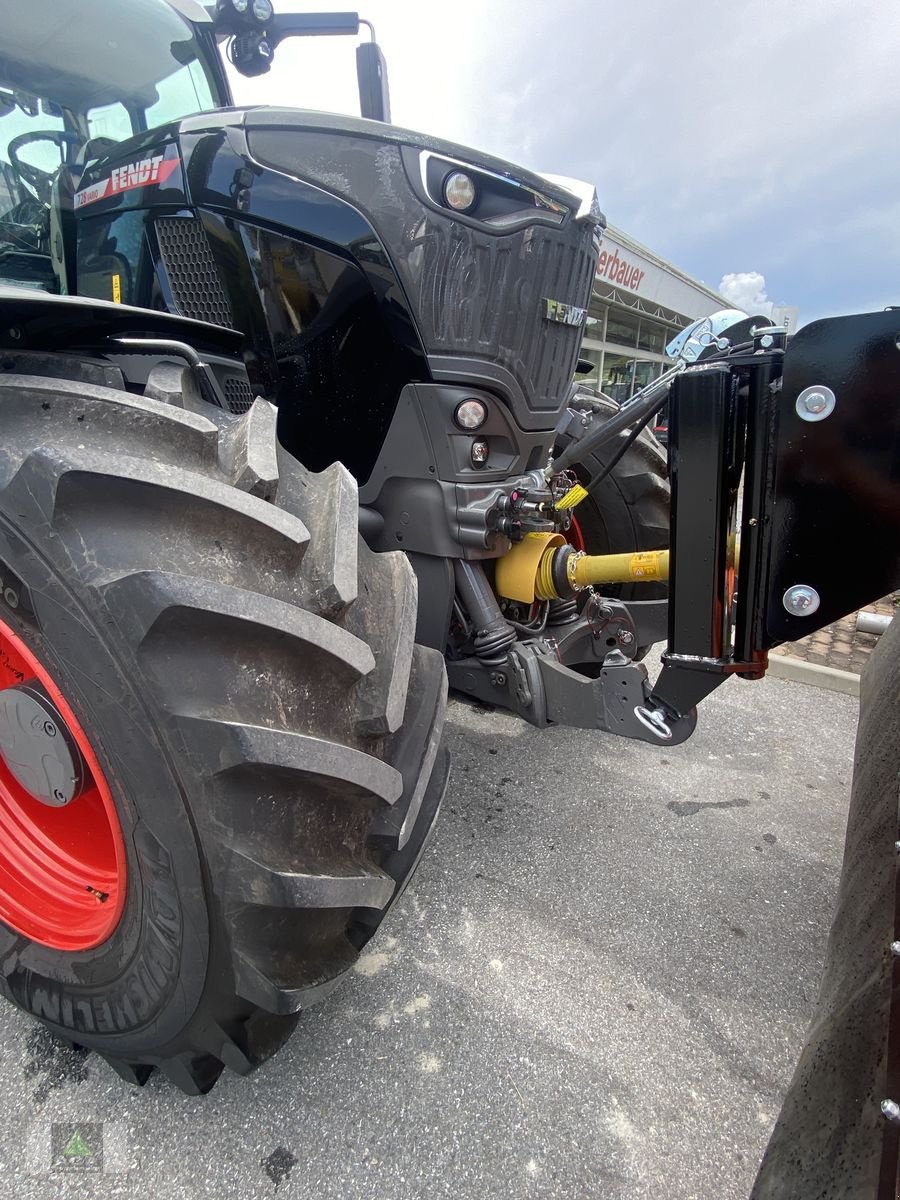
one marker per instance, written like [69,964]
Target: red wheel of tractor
[148,553]
[574,536]
[62,857]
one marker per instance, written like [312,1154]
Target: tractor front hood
[498,289]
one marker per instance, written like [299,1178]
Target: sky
[754,145]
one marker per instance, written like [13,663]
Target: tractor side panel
[328,336]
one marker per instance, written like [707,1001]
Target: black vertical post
[762,412]
[701,442]
[704,446]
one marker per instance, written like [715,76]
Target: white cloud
[747,291]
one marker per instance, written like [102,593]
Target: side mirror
[256,30]
[371,73]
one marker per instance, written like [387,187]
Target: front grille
[192,272]
[485,296]
[238,395]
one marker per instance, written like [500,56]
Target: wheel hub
[62,856]
[38,748]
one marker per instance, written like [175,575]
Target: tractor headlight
[242,16]
[470,415]
[482,195]
[459,191]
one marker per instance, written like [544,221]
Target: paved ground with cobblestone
[841,645]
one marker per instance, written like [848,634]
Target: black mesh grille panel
[191,270]
[238,395]
[485,296]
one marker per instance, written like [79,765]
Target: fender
[37,320]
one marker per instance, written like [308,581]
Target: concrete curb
[782,666]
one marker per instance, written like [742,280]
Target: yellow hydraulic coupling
[573,496]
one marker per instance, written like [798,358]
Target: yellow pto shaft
[544,567]
[592,570]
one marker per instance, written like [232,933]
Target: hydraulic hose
[641,406]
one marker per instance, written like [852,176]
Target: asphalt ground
[596,986]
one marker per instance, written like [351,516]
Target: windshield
[87,55]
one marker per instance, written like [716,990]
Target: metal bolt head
[801,600]
[625,637]
[815,403]
[891,1109]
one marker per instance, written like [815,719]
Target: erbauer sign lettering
[617,269]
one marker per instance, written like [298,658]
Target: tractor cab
[70,89]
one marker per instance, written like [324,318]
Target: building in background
[639,302]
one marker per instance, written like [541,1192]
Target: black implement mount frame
[787,455]
[812,429]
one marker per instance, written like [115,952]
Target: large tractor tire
[629,508]
[216,733]
[836,1134]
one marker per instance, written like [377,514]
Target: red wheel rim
[574,536]
[62,870]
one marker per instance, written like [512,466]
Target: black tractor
[289,437]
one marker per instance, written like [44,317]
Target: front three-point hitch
[789,452]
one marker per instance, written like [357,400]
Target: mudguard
[832,1137]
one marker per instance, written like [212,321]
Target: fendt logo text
[122,179]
